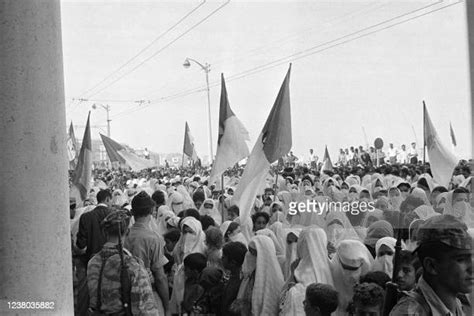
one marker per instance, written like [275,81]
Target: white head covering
[278,246]
[352,180]
[440,201]
[268,277]
[214,212]
[313,216]
[376,179]
[420,193]
[291,253]
[424,212]
[187,200]
[277,229]
[390,242]
[429,181]
[119,198]
[175,202]
[385,263]
[339,228]
[313,267]
[193,242]
[164,214]
[314,264]
[462,214]
[350,253]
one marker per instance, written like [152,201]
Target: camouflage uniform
[142,300]
[423,300]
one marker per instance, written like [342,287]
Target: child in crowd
[378,277]
[320,300]
[368,299]
[407,274]
[171,238]
[233,255]
[211,284]
[193,265]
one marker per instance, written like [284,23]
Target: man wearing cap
[445,253]
[111,291]
[149,246]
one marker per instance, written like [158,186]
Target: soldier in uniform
[118,282]
[445,253]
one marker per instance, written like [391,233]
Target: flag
[188,147]
[453,137]
[123,155]
[273,142]
[72,148]
[231,145]
[442,161]
[83,171]
[327,164]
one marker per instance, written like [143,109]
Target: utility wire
[112,100]
[255,51]
[162,49]
[307,53]
[145,48]
[330,42]
[277,62]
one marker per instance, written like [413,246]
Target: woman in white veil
[313,267]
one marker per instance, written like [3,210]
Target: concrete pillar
[470,35]
[470,38]
[35,249]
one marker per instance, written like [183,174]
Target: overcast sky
[376,81]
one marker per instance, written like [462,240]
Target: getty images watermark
[312,206]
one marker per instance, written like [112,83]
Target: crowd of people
[358,155]
[167,242]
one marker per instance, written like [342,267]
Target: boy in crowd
[407,275]
[368,299]
[233,255]
[320,300]
[193,266]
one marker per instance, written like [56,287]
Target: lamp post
[107,108]
[207,68]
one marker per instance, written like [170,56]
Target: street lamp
[107,108]
[207,68]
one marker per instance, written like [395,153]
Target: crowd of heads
[331,262]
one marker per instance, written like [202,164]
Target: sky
[345,83]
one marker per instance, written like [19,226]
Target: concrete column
[470,35]
[470,38]
[35,249]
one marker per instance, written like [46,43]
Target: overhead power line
[161,49]
[287,58]
[279,42]
[144,49]
[293,57]
[303,54]
[111,100]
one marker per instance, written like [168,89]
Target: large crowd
[164,241]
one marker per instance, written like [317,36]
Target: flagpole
[276,185]
[470,39]
[424,136]
[414,133]
[365,137]
[222,194]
